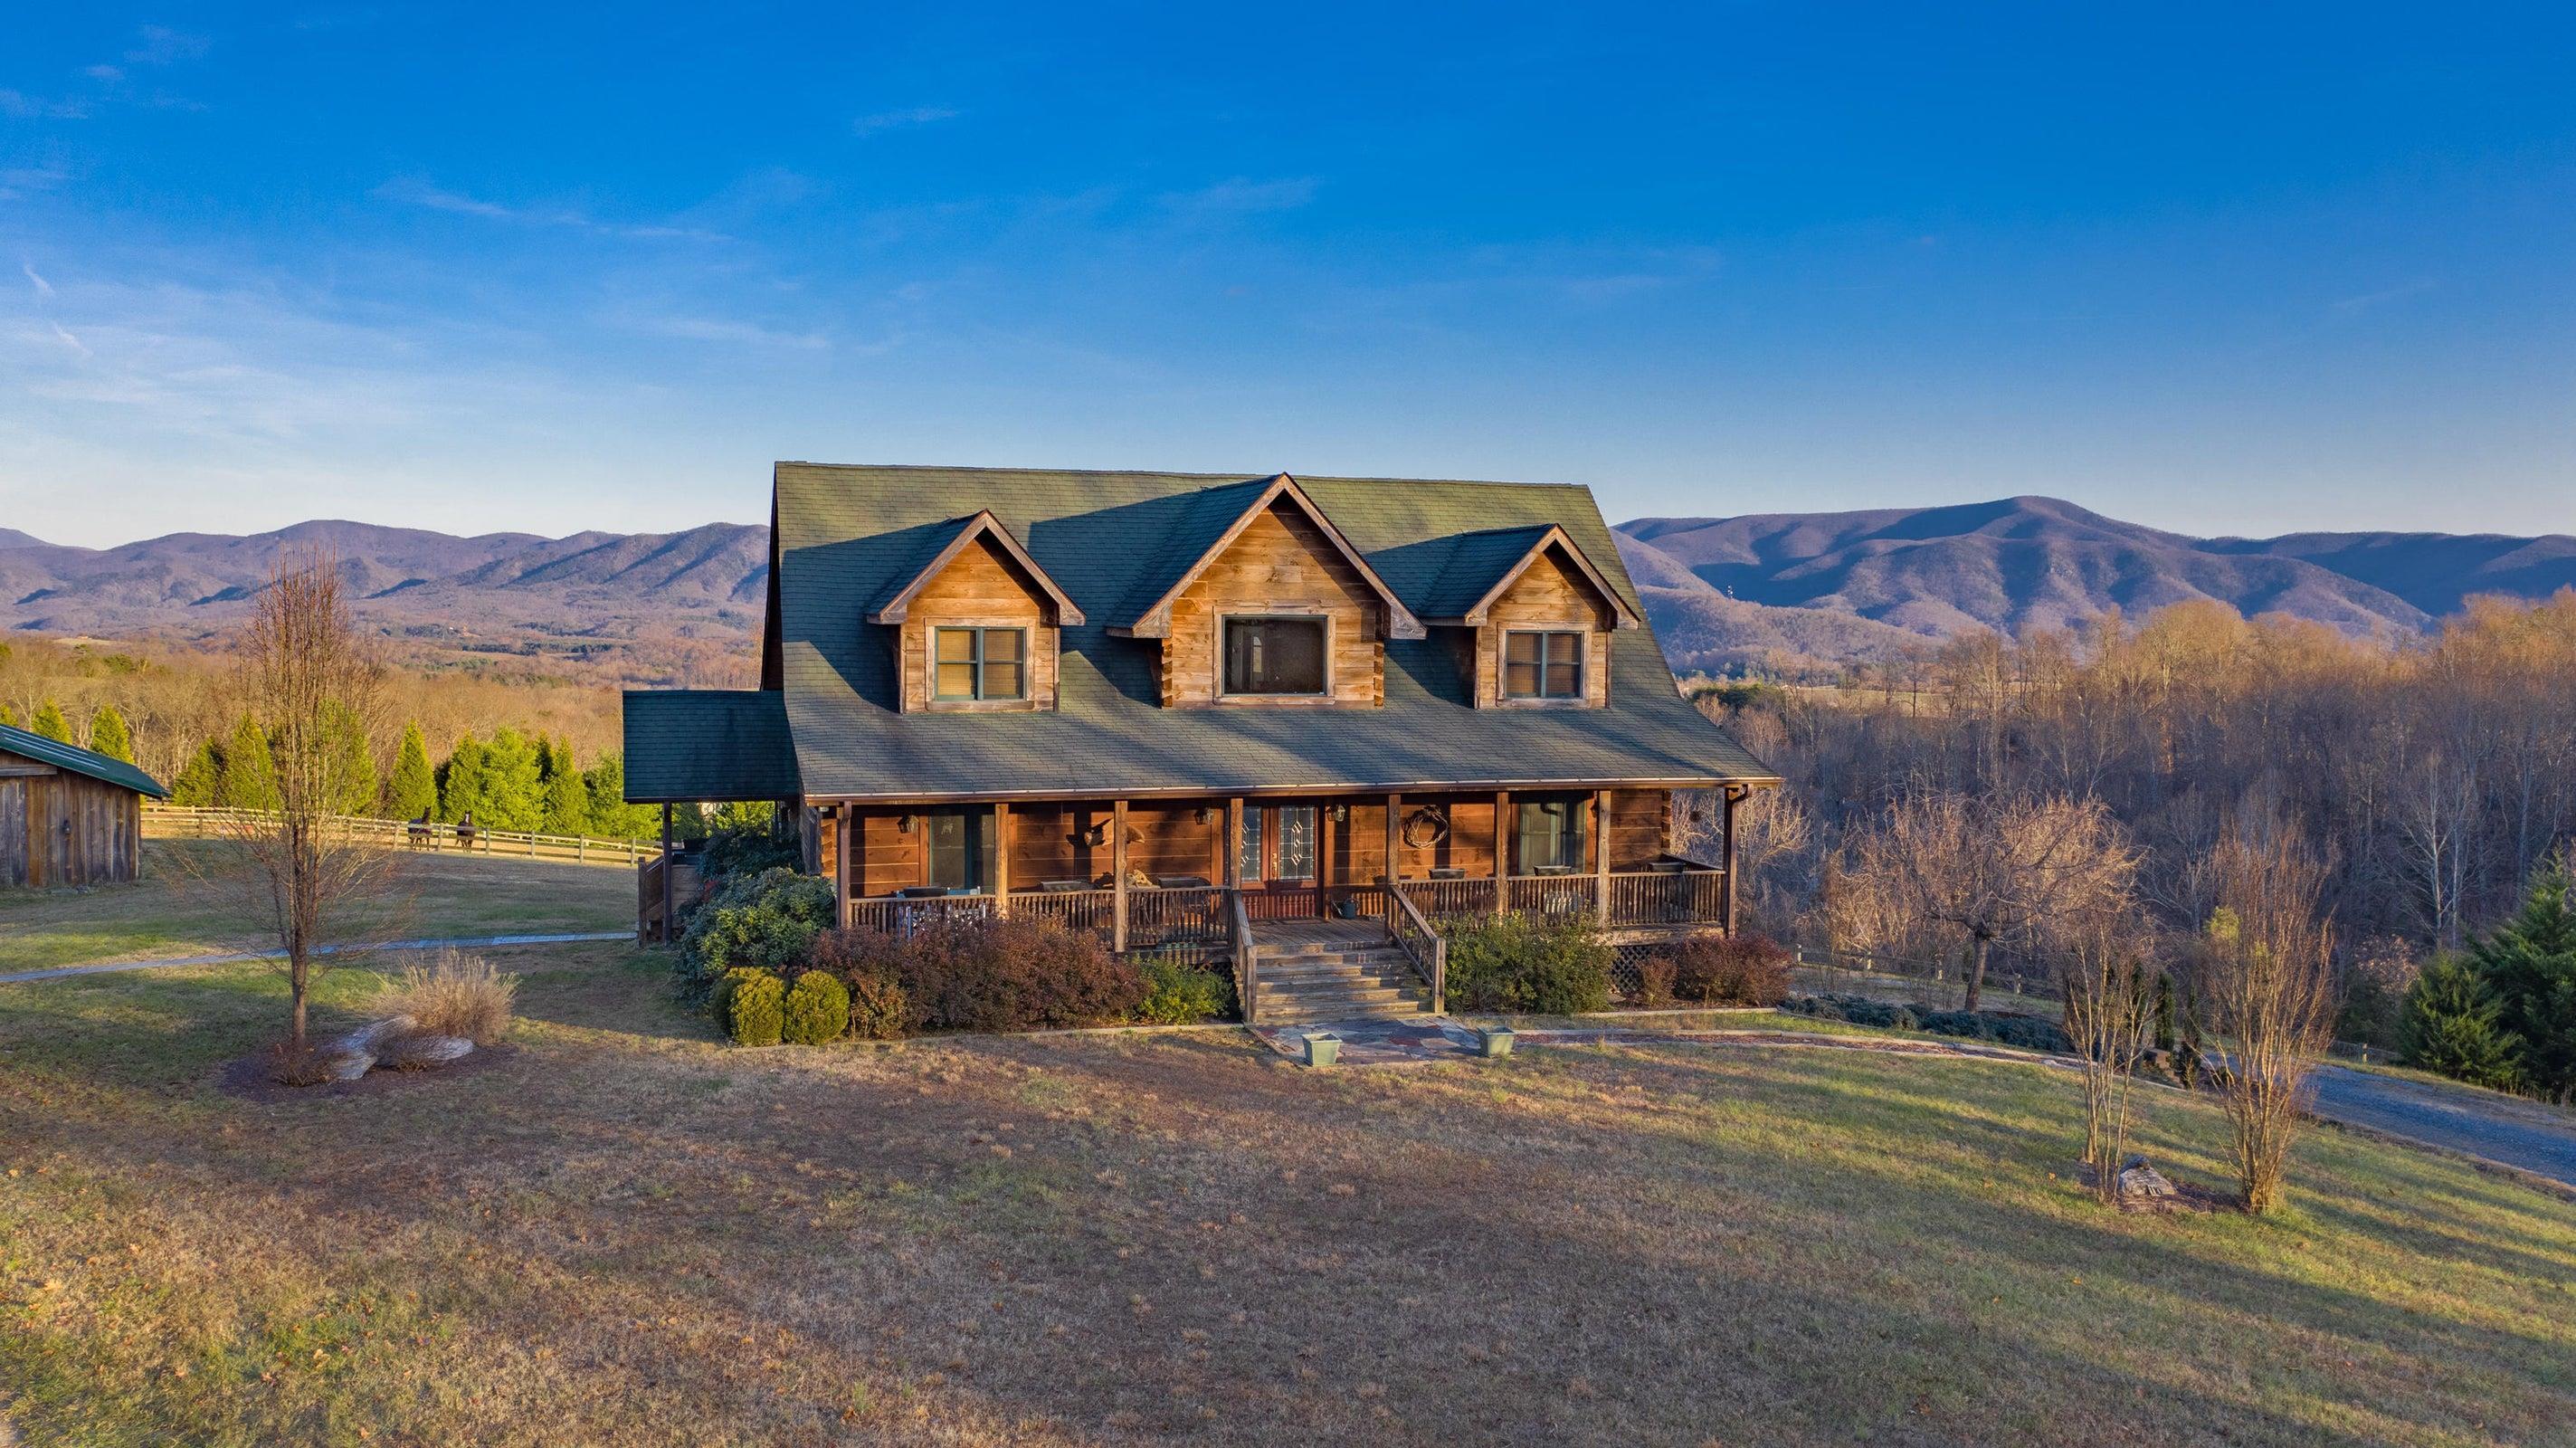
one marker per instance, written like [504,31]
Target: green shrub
[1859,1010]
[1730,970]
[1180,994]
[1523,964]
[766,921]
[817,1010]
[754,1007]
[2454,1024]
[977,973]
[2003,1027]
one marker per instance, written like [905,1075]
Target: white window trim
[1225,620]
[1582,669]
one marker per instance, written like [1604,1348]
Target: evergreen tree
[355,769]
[611,817]
[513,796]
[2529,965]
[567,801]
[109,736]
[250,772]
[50,723]
[460,779]
[201,782]
[2454,1025]
[414,791]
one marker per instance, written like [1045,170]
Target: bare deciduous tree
[307,674]
[2264,979]
[1990,870]
[2110,1018]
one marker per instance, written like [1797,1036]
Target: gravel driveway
[2535,1138]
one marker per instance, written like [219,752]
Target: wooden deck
[1288,934]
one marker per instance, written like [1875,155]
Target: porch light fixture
[1096,835]
[1201,815]
[1341,814]
[903,825]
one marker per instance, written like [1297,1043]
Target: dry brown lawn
[627,1233]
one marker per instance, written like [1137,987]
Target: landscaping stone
[365,1039]
[2141,1182]
[412,1053]
[345,1064]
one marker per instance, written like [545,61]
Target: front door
[1279,847]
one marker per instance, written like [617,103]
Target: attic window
[982,663]
[1542,665]
[1274,656]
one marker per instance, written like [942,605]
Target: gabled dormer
[977,624]
[1540,615]
[1260,601]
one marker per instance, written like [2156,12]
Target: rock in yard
[2141,1182]
[418,1052]
[365,1039]
[345,1064]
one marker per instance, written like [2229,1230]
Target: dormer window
[1276,655]
[982,663]
[1542,664]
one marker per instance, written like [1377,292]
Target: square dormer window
[982,663]
[1276,656]
[1542,665]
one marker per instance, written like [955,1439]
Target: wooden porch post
[1233,845]
[1118,875]
[1726,882]
[666,872]
[1394,845]
[1324,835]
[1601,855]
[846,829]
[1002,859]
[1502,850]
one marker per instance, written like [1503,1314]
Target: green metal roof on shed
[88,762]
[708,744]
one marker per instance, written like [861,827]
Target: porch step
[1339,981]
[1310,1013]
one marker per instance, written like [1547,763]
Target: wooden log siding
[1279,564]
[1547,596]
[977,589]
[60,829]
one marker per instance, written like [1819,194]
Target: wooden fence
[166,822]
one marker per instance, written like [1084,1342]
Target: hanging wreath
[1425,827]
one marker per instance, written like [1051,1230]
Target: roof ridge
[1216,477]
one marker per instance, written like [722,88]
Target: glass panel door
[1292,847]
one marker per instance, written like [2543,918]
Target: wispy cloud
[18,181]
[104,72]
[21,106]
[1242,196]
[43,287]
[726,331]
[162,45]
[413,191]
[884,121]
[63,334]
[2355,306]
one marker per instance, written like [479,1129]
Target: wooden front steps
[1310,983]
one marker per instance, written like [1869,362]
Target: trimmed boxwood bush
[2003,1027]
[1523,964]
[752,1006]
[1859,1010]
[1730,970]
[1180,994]
[817,1010]
[766,921]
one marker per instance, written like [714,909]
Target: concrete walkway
[236,958]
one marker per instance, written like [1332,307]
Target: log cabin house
[68,816]
[1289,724]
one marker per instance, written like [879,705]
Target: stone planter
[1495,1041]
[1323,1048]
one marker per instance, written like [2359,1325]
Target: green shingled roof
[708,744]
[846,537]
[79,761]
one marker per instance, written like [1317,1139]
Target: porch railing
[1198,915]
[1424,946]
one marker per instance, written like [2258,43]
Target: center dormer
[976,624]
[1261,602]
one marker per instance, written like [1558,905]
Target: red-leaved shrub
[1737,970]
[978,974]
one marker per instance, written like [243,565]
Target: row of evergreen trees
[2503,1012]
[511,781]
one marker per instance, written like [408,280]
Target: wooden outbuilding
[68,816]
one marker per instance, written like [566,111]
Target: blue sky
[2219,269]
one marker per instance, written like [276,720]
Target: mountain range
[1782,590]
